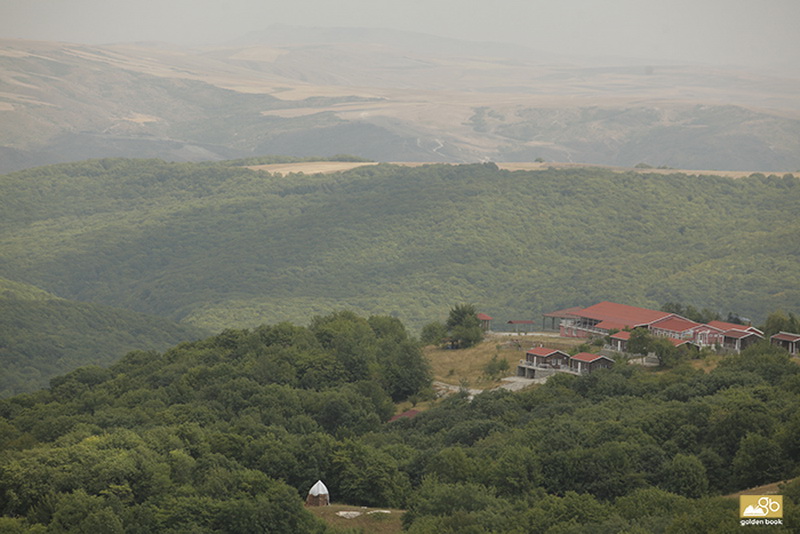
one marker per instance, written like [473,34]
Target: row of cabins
[543,358]
[610,318]
[616,321]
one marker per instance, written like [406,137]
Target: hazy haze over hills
[709,84]
[388,96]
[718,32]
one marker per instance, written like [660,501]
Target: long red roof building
[606,317]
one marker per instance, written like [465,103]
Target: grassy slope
[219,246]
[376,522]
[455,366]
[42,336]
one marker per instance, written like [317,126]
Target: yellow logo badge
[761,506]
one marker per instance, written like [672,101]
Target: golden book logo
[761,506]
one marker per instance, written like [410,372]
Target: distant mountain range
[387,96]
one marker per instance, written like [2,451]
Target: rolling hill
[220,245]
[386,96]
[42,336]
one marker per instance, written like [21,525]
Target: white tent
[318,495]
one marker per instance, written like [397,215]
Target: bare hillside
[386,96]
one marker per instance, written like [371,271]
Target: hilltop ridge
[219,245]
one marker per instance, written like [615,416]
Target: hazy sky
[711,31]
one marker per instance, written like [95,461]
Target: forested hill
[227,435]
[219,245]
[154,441]
[42,336]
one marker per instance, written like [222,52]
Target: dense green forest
[227,434]
[42,336]
[220,246]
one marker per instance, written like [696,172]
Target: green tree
[690,312]
[403,369]
[452,465]
[758,461]
[351,340]
[643,342]
[640,342]
[495,366]
[780,321]
[434,498]
[463,326]
[364,475]
[433,333]
[686,475]
[667,353]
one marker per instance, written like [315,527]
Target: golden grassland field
[468,366]
[327,167]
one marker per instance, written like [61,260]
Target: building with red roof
[600,319]
[787,340]
[724,327]
[606,317]
[732,336]
[619,341]
[486,321]
[738,340]
[544,361]
[586,362]
[544,357]
[674,326]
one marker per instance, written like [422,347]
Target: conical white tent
[318,495]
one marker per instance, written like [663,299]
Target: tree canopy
[219,245]
[463,326]
[226,434]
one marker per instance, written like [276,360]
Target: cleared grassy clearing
[311,167]
[707,364]
[537,166]
[467,366]
[372,520]
[327,167]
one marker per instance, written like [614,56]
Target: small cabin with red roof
[736,337]
[619,341]
[738,340]
[486,322]
[787,340]
[544,357]
[586,362]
